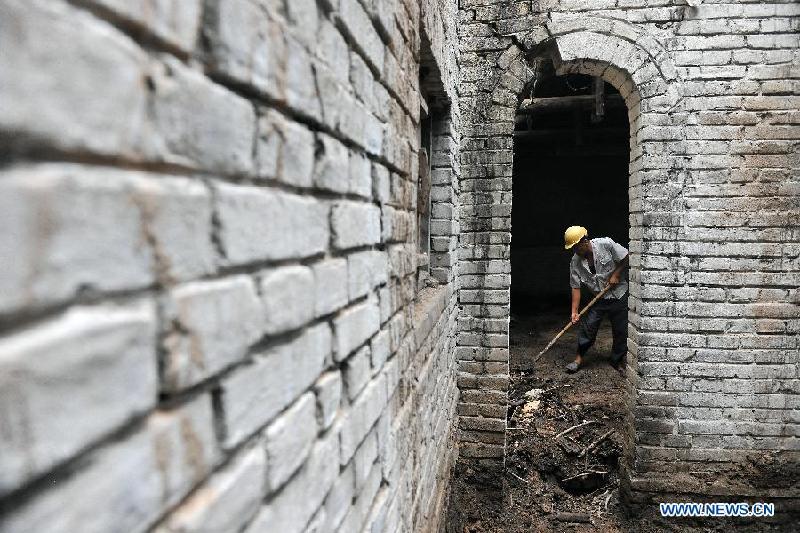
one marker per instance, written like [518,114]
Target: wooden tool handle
[569,324]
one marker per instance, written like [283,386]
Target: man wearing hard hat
[598,263]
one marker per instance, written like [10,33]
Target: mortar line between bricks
[252,94]
[31,317]
[138,33]
[51,156]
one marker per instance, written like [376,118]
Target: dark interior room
[571,155]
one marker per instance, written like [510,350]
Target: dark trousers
[617,312]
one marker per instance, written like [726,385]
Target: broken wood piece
[573,517]
[594,444]
[577,426]
[516,476]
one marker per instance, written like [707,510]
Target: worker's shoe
[572,367]
[618,365]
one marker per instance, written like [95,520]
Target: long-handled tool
[569,325]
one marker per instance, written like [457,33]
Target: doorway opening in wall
[571,167]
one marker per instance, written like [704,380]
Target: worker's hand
[575,317]
[614,279]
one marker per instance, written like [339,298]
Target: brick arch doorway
[640,71]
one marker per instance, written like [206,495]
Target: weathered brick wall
[713,94]
[210,318]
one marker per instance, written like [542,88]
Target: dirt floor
[564,441]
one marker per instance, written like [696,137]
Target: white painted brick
[288,297]
[363,414]
[294,506]
[357,372]
[365,271]
[226,502]
[364,458]
[254,394]
[360,175]
[288,440]
[380,183]
[199,123]
[355,224]
[177,219]
[381,350]
[358,24]
[248,45]
[212,324]
[331,171]
[328,389]
[359,511]
[340,498]
[69,228]
[175,21]
[301,89]
[263,224]
[79,54]
[284,150]
[354,326]
[70,381]
[333,49]
[331,291]
[124,487]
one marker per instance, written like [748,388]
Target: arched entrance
[639,69]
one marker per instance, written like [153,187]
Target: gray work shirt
[607,254]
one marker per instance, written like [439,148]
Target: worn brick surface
[217,313]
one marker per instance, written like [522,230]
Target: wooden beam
[599,108]
[556,103]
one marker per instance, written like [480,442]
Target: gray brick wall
[212,313]
[210,316]
[712,94]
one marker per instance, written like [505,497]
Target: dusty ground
[555,479]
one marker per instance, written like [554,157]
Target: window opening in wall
[570,167]
[424,182]
[435,200]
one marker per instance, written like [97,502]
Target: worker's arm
[613,279]
[576,301]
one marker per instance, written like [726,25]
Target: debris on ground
[564,445]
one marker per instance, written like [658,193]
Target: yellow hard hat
[573,235]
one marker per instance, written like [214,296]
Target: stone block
[175,22]
[247,45]
[259,224]
[294,506]
[211,324]
[68,382]
[288,440]
[381,350]
[288,297]
[79,53]
[126,486]
[355,224]
[365,271]
[69,228]
[363,414]
[360,175]
[284,150]
[176,215]
[331,172]
[357,372]
[328,389]
[224,503]
[357,24]
[354,326]
[198,123]
[253,394]
[331,291]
